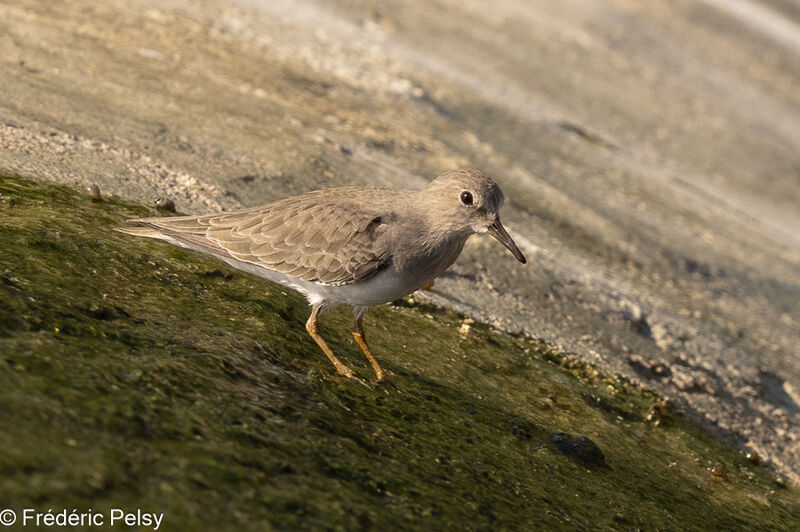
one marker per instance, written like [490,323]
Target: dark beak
[499,232]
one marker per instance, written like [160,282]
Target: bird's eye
[466,197]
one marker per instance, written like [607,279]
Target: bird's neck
[434,251]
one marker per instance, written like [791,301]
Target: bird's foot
[344,371]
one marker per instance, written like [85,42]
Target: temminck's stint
[354,245]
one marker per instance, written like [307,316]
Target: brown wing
[324,241]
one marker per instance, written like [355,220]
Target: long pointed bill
[499,232]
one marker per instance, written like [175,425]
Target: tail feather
[198,242]
[148,232]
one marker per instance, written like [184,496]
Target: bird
[356,246]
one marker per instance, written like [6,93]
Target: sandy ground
[650,157]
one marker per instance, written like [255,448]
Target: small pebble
[718,473]
[655,413]
[93,191]
[164,204]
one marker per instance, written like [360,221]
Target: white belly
[387,285]
[382,287]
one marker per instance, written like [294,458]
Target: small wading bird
[352,246]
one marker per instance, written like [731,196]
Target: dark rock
[581,448]
[164,204]
[523,430]
[654,369]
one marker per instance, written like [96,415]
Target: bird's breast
[431,260]
[398,278]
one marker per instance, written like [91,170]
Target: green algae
[139,375]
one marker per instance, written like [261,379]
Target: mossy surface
[138,375]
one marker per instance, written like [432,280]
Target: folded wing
[323,241]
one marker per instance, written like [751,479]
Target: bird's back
[332,236]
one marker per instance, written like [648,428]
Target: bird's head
[468,200]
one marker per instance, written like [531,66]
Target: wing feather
[331,242]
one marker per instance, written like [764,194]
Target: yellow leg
[358,334]
[313,330]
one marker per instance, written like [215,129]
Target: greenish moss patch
[138,375]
